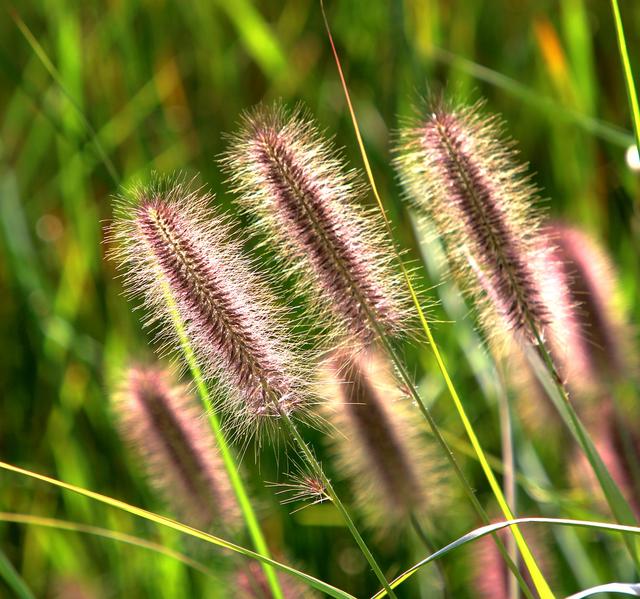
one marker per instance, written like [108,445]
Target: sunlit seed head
[296,185]
[163,424]
[174,250]
[459,171]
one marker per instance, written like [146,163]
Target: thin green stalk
[558,393]
[628,73]
[536,575]
[508,480]
[13,579]
[319,472]
[424,539]
[249,515]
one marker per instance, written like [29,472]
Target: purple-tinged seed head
[296,185]
[168,240]
[163,424]
[587,334]
[618,443]
[394,470]
[457,169]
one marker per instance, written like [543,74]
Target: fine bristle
[168,240]
[393,469]
[162,422]
[294,182]
[457,169]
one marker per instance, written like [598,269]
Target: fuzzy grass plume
[589,340]
[169,241]
[458,170]
[296,185]
[394,471]
[162,422]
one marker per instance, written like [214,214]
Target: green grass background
[160,83]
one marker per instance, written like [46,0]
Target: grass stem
[251,521]
[293,431]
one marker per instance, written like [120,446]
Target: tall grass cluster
[309,387]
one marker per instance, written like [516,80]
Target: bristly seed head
[587,334]
[163,424]
[378,443]
[171,245]
[296,184]
[456,168]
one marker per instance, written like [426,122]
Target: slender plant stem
[13,579]
[292,430]
[628,73]
[428,545]
[253,526]
[536,575]
[618,504]
[508,479]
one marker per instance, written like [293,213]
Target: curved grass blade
[105,533]
[632,95]
[51,69]
[183,528]
[621,588]
[491,528]
[536,575]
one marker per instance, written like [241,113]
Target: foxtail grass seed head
[459,171]
[588,336]
[378,443]
[170,244]
[302,488]
[297,187]
[162,422]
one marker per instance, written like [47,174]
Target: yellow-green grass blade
[632,95]
[105,533]
[183,528]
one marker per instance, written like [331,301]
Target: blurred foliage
[159,83]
